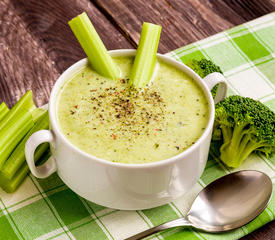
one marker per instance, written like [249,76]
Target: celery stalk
[3,110]
[5,180]
[10,186]
[24,104]
[13,132]
[38,113]
[17,158]
[145,59]
[91,43]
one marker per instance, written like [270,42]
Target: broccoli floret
[204,67]
[243,125]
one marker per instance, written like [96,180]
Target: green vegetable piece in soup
[145,59]
[93,46]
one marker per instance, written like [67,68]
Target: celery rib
[12,134]
[16,125]
[93,46]
[145,58]
[10,186]
[3,110]
[17,158]
[38,113]
[24,104]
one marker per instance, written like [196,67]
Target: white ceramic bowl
[119,185]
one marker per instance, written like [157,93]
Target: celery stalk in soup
[91,43]
[145,58]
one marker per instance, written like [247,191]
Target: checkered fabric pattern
[48,209]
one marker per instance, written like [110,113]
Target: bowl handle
[213,79]
[33,142]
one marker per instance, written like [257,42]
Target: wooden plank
[249,9]
[183,21]
[24,64]
[36,44]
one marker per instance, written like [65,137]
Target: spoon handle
[180,222]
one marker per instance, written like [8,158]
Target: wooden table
[36,44]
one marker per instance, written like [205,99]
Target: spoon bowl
[231,201]
[225,204]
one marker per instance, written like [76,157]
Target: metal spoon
[225,204]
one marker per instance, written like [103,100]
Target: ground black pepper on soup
[113,121]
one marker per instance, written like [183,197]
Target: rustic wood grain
[176,23]
[183,21]
[24,64]
[250,9]
[49,21]
[37,44]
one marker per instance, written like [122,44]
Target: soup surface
[115,122]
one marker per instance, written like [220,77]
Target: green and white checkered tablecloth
[47,209]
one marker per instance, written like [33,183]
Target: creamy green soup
[115,122]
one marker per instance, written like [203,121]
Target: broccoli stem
[245,142]
[234,149]
[252,146]
[227,134]
[266,150]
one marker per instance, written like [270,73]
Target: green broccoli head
[243,125]
[204,67]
